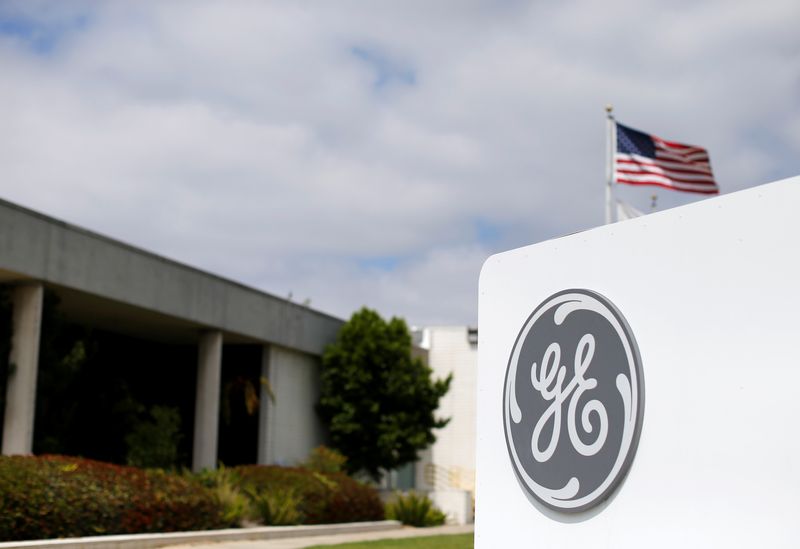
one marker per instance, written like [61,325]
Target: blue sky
[39,35]
[376,154]
[387,71]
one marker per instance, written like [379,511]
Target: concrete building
[447,469]
[111,285]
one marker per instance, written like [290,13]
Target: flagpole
[610,148]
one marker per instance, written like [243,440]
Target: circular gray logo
[573,401]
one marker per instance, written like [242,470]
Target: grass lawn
[453,541]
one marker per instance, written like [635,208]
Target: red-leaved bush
[58,496]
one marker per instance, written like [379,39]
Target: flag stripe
[632,167]
[694,179]
[674,145]
[695,166]
[643,178]
[691,158]
[675,187]
[643,159]
[632,160]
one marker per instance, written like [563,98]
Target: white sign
[639,383]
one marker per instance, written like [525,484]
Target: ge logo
[573,401]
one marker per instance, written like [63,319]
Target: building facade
[109,285]
[447,469]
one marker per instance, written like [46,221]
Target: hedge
[57,496]
[324,497]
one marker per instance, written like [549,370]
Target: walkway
[299,543]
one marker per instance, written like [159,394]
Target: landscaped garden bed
[58,496]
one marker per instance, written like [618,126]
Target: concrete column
[265,409]
[289,427]
[206,412]
[24,366]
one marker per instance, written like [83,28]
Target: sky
[355,153]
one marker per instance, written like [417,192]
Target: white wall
[449,464]
[289,427]
[710,292]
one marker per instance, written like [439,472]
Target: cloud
[374,154]
[425,290]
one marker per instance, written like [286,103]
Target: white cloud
[291,145]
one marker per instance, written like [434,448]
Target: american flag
[643,159]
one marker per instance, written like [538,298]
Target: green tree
[154,443]
[376,399]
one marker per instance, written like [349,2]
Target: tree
[154,443]
[376,399]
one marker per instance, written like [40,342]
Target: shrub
[57,496]
[237,506]
[154,443]
[414,510]
[278,507]
[325,460]
[323,497]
